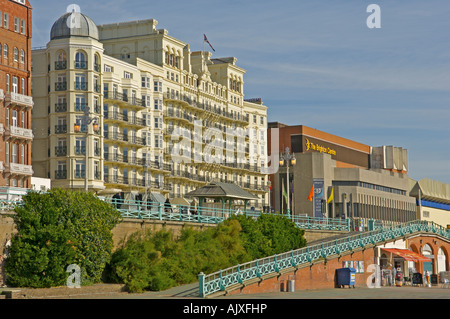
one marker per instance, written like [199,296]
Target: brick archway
[417,244]
[445,250]
[417,265]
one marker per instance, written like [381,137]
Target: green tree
[56,229]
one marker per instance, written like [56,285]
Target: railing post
[275,264]
[293,264]
[221,286]
[160,211]
[239,276]
[201,285]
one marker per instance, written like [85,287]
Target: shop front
[399,266]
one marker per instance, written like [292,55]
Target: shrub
[157,261]
[56,229]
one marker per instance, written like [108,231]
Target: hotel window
[22,154]
[8,79]
[5,51]
[22,56]
[14,153]
[80,61]
[127,75]
[7,153]
[16,24]
[80,167]
[15,84]
[16,54]
[22,119]
[108,68]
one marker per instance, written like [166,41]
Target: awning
[407,254]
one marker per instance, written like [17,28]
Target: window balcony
[61,129]
[60,65]
[61,86]
[80,150]
[81,86]
[61,174]
[61,151]
[60,107]
[18,133]
[79,107]
[16,99]
[18,169]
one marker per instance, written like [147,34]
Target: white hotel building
[146,93]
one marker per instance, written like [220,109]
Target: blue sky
[317,63]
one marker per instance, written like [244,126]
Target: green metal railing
[212,215]
[222,279]
[206,215]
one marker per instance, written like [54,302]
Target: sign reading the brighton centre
[319,148]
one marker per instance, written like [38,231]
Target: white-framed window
[7,152]
[5,51]
[22,26]
[16,24]
[13,153]
[108,68]
[15,84]
[22,56]
[8,80]
[5,20]
[22,154]
[127,75]
[22,119]
[16,54]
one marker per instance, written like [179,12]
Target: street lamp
[290,160]
[87,120]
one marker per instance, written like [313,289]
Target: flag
[205,39]
[284,193]
[330,198]
[311,194]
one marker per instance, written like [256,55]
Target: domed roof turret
[74,24]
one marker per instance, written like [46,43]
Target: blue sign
[318,197]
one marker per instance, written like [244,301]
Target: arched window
[80,60]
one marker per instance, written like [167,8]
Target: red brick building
[16,102]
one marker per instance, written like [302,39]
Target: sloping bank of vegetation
[156,261]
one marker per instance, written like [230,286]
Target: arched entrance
[442,264]
[427,251]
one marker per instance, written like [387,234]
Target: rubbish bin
[346,277]
[291,285]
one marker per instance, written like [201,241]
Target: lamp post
[290,160]
[87,120]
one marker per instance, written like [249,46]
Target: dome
[74,24]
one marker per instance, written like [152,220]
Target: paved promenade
[190,292]
[405,292]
